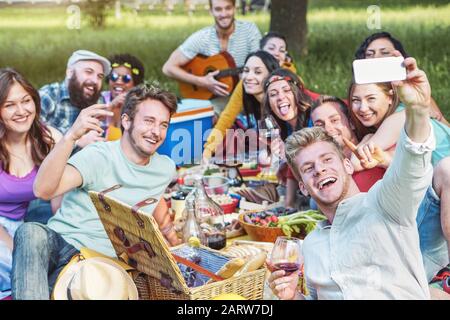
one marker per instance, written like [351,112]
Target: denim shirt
[371,251]
[56,108]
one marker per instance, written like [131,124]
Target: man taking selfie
[368,248]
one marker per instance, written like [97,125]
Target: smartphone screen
[379,70]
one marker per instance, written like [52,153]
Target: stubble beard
[227,28]
[142,153]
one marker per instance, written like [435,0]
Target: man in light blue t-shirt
[40,252]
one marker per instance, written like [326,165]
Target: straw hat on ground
[95,279]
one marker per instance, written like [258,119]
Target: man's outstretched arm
[55,176]
[410,173]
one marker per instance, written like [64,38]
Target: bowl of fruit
[269,224]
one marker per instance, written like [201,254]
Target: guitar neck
[229,72]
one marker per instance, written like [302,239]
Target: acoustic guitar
[202,65]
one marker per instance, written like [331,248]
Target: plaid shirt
[57,111]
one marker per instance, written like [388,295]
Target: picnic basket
[138,242]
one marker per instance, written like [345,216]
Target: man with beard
[40,252]
[238,38]
[62,102]
[368,248]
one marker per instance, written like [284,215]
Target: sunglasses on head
[125,78]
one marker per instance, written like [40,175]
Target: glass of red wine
[286,255]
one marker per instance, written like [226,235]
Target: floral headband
[275,78]
[127,65]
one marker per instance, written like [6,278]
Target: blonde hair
[304,138]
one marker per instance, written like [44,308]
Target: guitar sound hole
[209,70]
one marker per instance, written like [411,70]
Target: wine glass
[286,255]
[269,130]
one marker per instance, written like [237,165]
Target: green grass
[37,41]
[424,32]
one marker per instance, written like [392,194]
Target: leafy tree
[96,11]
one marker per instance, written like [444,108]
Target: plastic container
[177,203]
[212,185]
[186,133]
[229,208]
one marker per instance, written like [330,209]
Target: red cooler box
[188,130]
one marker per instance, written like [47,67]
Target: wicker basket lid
[137,239]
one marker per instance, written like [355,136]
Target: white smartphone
[379,70]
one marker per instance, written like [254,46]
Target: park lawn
[37,42]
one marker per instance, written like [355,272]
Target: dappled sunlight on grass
[38,42]
[418,14]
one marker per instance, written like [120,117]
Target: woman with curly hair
[289,103]
[127,72]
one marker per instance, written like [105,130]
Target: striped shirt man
[244,40]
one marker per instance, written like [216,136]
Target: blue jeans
[39,255]
[6,256]
[39,211]
[432,241]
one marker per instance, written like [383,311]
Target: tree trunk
[288,17]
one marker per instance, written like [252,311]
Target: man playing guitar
[238,38]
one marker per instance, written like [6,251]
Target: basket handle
[136,207]
[101,196]
[166,281]
[132,249]
[197,268]
[142,245]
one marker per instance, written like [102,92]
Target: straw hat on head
[95,279]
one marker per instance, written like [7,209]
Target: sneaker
[443,274]
[446,285]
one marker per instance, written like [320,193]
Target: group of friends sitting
[375,163]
